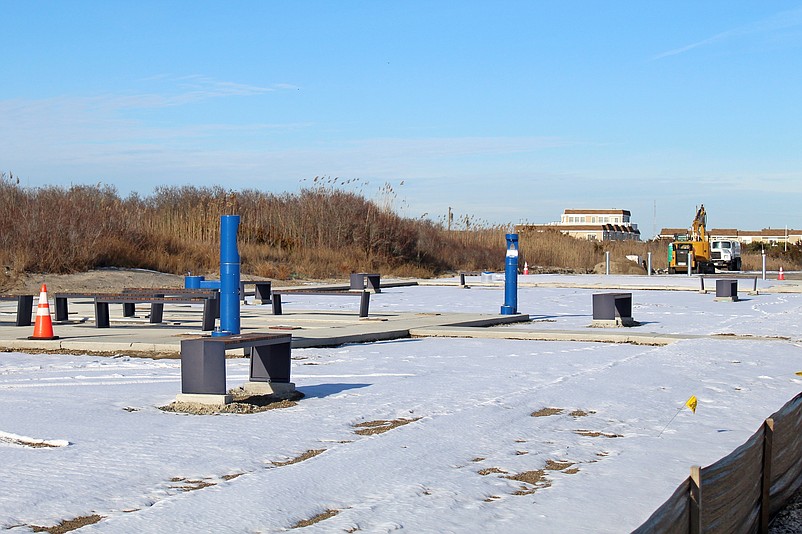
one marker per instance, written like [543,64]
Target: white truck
[726,254]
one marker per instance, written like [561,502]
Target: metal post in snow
[763,253]
[229,276]
[648,264]
[607,262]
[511,277]
[690,262]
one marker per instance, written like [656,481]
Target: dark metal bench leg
[203,367]
[276,303]
[129,309]
[364,304]
[262,292]
[271,363]
[374,282]
[623,307]
[242,291]
[208,315]
[62,309]
[603,307]
[157,311]
[24,310]
[102,315]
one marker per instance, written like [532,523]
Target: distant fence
[745,489]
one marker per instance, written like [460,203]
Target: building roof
[596,212]
[673,231]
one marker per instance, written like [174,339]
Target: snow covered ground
[469,443]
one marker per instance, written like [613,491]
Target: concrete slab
[591,335]
[309,328]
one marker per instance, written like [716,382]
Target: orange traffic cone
[781,276]
[43,328]
[526,268]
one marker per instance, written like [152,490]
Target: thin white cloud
[777,22]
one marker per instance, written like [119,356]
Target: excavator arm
[700,225]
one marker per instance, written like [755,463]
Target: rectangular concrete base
[269,388]
[726,299]
[615,323]
[201,398]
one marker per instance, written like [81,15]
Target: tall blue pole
[511,277]
[229,276]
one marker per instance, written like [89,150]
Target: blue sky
[505,111]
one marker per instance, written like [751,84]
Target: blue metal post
[229,276]
[511,277]
[192,282]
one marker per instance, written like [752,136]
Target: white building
[596,225]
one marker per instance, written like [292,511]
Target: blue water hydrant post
[511,277]
[229,276]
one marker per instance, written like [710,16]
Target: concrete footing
[279,389]
[614,323]
[200,398]
[733,298]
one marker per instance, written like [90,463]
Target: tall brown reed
[323,231]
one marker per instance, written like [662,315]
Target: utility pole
[654,220]
[450,218]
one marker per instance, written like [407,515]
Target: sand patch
[552,465]
[69,524]
[7,438]
[368,428]
[190,485]
[490,471]
[534,481]
[305,456]
[316,519]
[594,434]
[545,412]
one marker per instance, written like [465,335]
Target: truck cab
[726,254]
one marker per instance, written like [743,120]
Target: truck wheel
[672,270]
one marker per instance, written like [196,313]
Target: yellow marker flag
[691,403]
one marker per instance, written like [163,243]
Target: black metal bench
[612,309]
[129,308]
[463,274]
[24,308]
[363,281]
[727,290]
[211,307]
[364,302]
[62,303]
[203,361]
[261,290]
[736,277]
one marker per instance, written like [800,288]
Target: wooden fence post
[765,483]
[695,500]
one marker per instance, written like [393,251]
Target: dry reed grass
[320,232]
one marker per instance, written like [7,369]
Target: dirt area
[100,281]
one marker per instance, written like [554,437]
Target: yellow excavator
[692,249]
